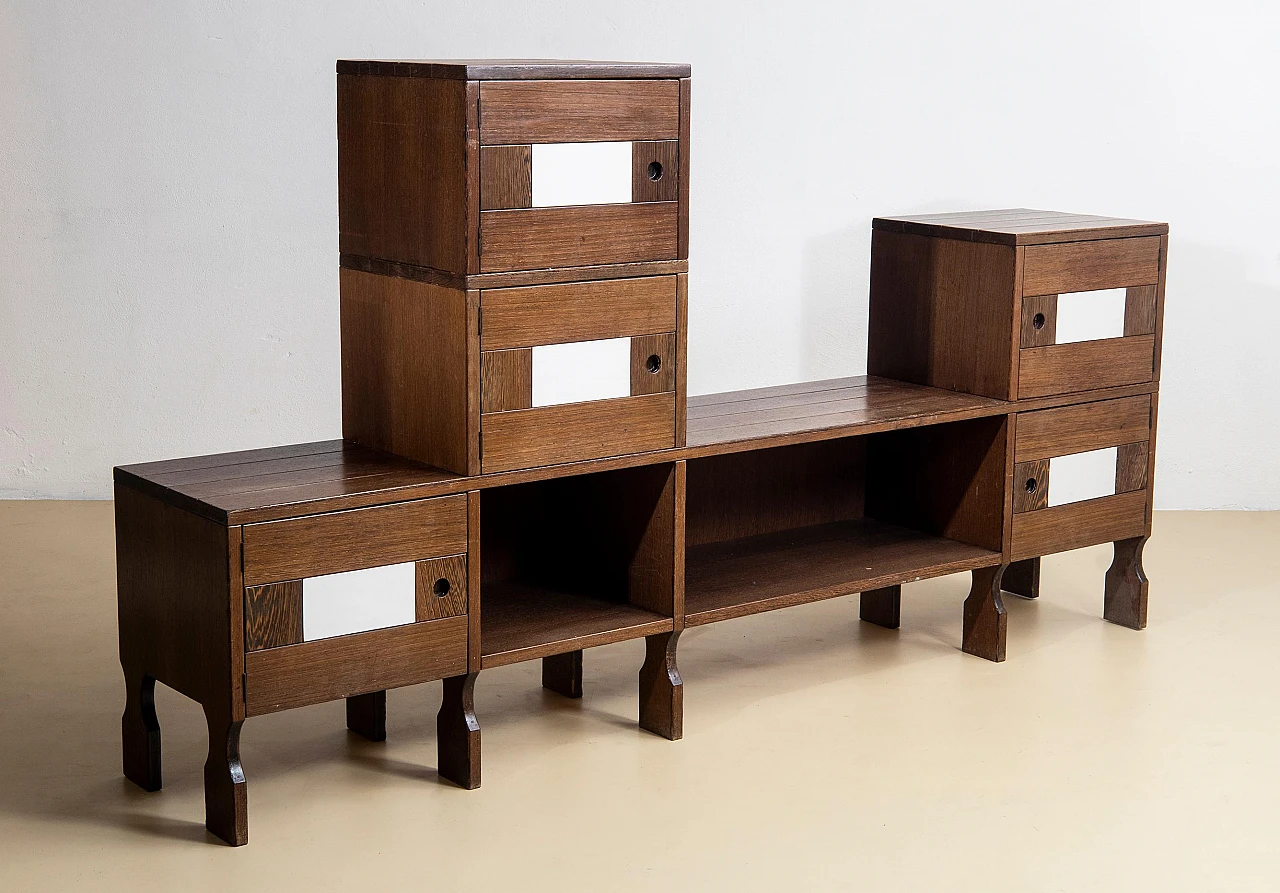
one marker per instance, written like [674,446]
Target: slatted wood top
[1019,226]
[511,69]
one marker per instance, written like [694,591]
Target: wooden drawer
[1081,475]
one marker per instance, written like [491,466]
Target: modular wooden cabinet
[522,476]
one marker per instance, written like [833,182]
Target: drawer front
[578,173]
[1081,475]
[1089,316]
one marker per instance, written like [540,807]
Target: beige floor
[820,753]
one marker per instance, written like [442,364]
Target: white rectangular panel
[581,174]
[355,601]
[1090,315]
[1082,476]
[583,370]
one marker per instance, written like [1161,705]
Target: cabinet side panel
[942,313]
[405,368]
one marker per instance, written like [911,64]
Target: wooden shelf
[523,621]
[777,570]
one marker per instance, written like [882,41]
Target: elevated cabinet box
[487,169]
[1017,304]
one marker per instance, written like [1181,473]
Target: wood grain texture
[473,581]
[1131,466]
[512,278]
[440,587]
[1140,310]
[511,69]
[1022,578]
[653,364]
[1041,309]
[1126,588]
[458,733]
[562,674]
[579,111]
[1086,426]
[661,689]
[401,170]
[580,311]
[506,177]
[472,172]
[1031,485]
[552,435]
[328,669]
[351,540]
[682,359]
[1079,524]
[1018,226]
[1084,266]
[272,615]
[577,236]
[1085,365]
[986,622]
[883,607]
[682,250]
[942,313]
[665,187]
[405,369]
[506,380]
[367,715]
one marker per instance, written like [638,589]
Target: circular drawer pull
[655,171]
[1037,321]
[441,588]
[654,363]
[1032,485]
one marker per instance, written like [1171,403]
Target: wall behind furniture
[168,225]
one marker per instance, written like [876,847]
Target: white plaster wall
[168,226]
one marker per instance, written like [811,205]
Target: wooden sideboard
[492,502]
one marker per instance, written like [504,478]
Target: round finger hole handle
[653,364]
[655,171]
[1032,485]
[1037,321]
[441,588]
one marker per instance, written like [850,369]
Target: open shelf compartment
[576,562]
[795,524]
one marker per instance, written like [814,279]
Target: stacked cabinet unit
[521,475]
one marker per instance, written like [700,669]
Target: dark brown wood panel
[1079,524]
[512,278]
[551,435]
[272,615]
[653,364]
[1140,310]
[328,669]
[655,171]
[683,250]
[1085,266]
[440,588]
[1018,226]
[682,358]
[511,69]
[1078,429]
[1085,365]
[1131,466]
[1031,485]
[506,380]
[351,540]
[506,177]
[579,111]
[1039,320]
[577,236]
[579,311]
[404,368]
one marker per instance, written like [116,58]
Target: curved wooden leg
[883,607]
[1125,598]
[1022,578]
[661,691]
[226,799]
[367,715]
[458,733]
[562,674]
[140,731]
[985,621]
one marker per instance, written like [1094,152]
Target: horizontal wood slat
[550,435]
[579,311]
[1078,524]
[1085,365]
[1077,429]
[577,236]
[1085,266]
[351,540]
[578,111]
[328,669]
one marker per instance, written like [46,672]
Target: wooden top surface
[1019,226]
[511,69]
[303,479]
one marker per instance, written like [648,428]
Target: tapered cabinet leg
[140,732]
[367,715]
[226,799]
[1022,578]
[883,607]
[661,691]
[985,621]
[562,674]
[1125,599]
[458,733]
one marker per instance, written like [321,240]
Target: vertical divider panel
[473,581]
